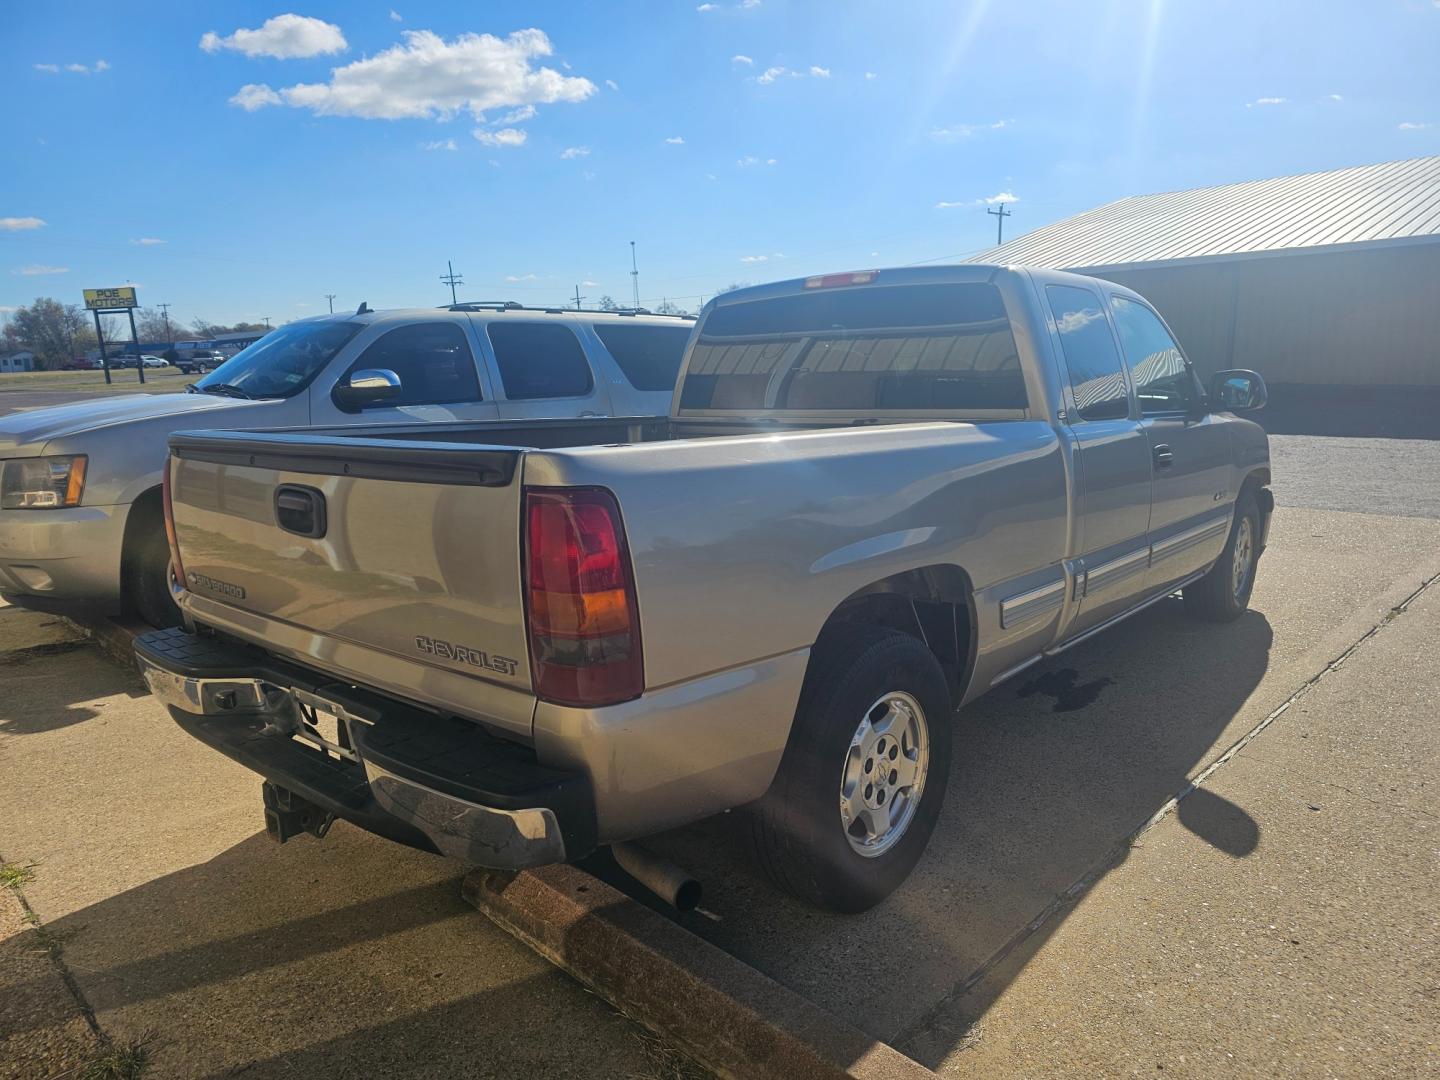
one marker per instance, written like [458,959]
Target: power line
[1000,214]
[330,298]
[452,279]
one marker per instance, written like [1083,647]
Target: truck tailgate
[393,563]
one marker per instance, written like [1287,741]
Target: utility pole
[634,275]
[452,279]
[165,311]
[1000,214]
[578,298]
[330,299]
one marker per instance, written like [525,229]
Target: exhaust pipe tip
[666,880]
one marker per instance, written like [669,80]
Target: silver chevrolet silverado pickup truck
[876,496]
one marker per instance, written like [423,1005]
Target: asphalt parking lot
[1280,920]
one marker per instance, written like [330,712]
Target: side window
[539,360]
[433,360]
[648,355]
[1096,374]
[1163,381]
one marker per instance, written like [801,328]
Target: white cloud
[819,72]
[518,116]
[503,137]
[395,16]
[988,200]
[1335,97]
[20,224]
[74,69]
[612,84]
[1266,101]
[36,269]
[147,241]
[708,7]
[964,131]
[285,37]
[870,75]
[7,309]
[439,144]
[770,74]
[1411,125]
[572,152]
[772,161]
[676,140]
[711,176]
[254,96]
[512,278]
[741,58]
[590,284]
[427,76]
[754,258]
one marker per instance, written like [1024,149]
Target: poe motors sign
[111,299]
[119,301]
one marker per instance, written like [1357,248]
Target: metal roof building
[1324,279]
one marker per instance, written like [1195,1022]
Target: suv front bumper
[433,782]
[62,560]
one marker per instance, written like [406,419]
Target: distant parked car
[200,360]
[154,361]
[81,363]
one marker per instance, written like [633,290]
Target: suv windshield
[282,362]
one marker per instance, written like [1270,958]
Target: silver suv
[80,500]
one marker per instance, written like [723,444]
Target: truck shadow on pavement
[51,686]
[1051,773]
[351,957]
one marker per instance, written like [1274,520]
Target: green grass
[13,875]
[157,381]
[118,1061]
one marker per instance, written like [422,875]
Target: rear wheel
[863,778]
[1223,594]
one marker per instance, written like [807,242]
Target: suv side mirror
[1237,391]
[370,386]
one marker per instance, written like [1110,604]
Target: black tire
[1215,597]
[146,570]
[796,830]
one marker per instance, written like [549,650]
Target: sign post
[117,301]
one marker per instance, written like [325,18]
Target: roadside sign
[106,299]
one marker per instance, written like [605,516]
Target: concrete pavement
[181,923]
[1283,922]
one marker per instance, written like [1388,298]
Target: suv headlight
[42,483]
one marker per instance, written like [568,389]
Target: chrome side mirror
[1237,391]
[370,386]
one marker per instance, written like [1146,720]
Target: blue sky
[733,141]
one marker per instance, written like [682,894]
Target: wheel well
[146,512]
[932,603]
[1257,478]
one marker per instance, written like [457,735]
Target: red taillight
[584,625]
[833,281]
[179,567]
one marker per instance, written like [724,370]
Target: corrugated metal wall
[1357,318]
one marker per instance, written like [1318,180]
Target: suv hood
[34,428]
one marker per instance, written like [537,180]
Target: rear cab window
[648,356]
[922,348]
[539,360]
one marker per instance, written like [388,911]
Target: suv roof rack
[511,305]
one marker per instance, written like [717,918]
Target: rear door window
[539,360]
[649,356]
[1097,376]
[921,348]
[433,360]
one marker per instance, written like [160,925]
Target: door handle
[1163,456]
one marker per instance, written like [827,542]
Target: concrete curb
[719,1010]
[115,638]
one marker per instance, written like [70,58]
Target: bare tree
[607,303]
[732,287]
[51,330]
[668,307]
